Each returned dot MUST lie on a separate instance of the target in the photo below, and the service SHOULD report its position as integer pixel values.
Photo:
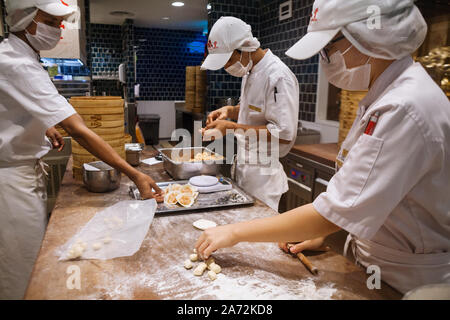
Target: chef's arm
(76, 128)
(297, 225)
(300, 224)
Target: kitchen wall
(263, 16)
(162, 59)
(279, 36)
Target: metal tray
(222, 199)
(182, 170)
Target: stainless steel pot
(104, 180)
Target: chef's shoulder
(278, 72)
(418, 97)
(15, 67)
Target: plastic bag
(117, 231)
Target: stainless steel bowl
(104, 180)
(176, 163)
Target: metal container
(133, 153)
(231, 198)
(104, 180)
(176, 162)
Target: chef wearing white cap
(391, 192)
(29, 108)
(269, 103)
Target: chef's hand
(56, 138)
(219, 114)
(311, 245)
(145, 184)
(213, 239)
(221, 126)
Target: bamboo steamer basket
(200, 90)
(105, 117)
(190, 88)
(349, 107)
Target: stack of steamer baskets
(190, 88)
(200, 90)
(104, 116)
(195, 94)
(349, 107)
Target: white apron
(265, 184)
(23, 220)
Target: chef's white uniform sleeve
(282, 109)
(38, 95)
(377, 174)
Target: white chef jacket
(29, 104)
(269, 97)
(392, 192)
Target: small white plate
(203, 181)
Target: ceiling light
(178, 4)
(208, 6)
(165, 18)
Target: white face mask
(355, 79)
(46, 37)
(238, 70)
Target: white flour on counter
(178, 283)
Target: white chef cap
(22, 12)
(401, 33)
(227, 35)
(20, 19)
(384, 29)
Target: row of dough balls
(210, 264)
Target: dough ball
(200, 269)
(194, 251)
(193, 257)
(188, 264)
(107, 240)
(97, 246)
(212, 275)
(76, 250)
(203, 224)
(215, 268)
(210, 261)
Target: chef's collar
(21, 46)
(263, 63)
(385, 79)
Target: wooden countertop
(325, 153)
(249, 271)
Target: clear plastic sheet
(117, 231)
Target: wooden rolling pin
(304, 260)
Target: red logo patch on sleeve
(314, 17)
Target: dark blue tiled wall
(128, 57)
(220, 84)
(106, 48)
(279, 36)
(162, 59)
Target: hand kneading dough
(188, 264)
(193, 257)
(203, 224)
(212, 275)
(200, 269)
